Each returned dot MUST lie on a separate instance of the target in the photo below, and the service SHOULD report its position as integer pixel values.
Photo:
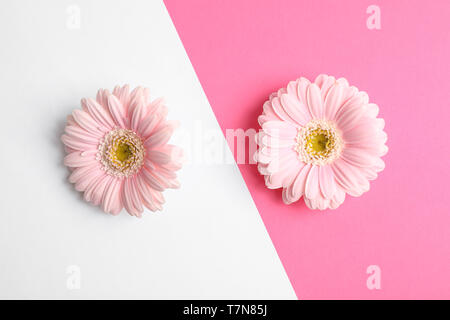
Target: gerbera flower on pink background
(118, 152)
(320, 141)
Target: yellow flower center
(121, 152)
(319, 142)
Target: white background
(209, 242)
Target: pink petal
(297, 188)
(302, 91)
(320, 79)
(156, 105)
(292, 89)
(364, 133)
(282, 162)
(136, 96)
(314, 101)
(135, 196)
(372, 110)
(295, 109)
(111, 198)
(312, 183)
(158, 157)
(317, 203)
(338, 198)
(272, 142)
(349, 178)
(269, 112)
(88, 193)
(77, 144)
(159, 137)
(169, 174)
(358, 157)
(158, 196)
(145, 194)
(151, 180)
(130, 202)
(334, 100)
(379, 165)
(123, 95)
(98, 112)
(77, 132)
(80, 159)
(350, 114)
(71, 121)
(85, 121)
(326, 181)
(102, 98)
(138, 114)
(88, 177)
(286, 174)
(280, 129)
(81, 172)
(279, 110)
(99, 189)
(117, 111)
(148, 125)
(328, 82)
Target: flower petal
(295, 109)
(312, 183)
(79, 133)
(151, 180)
(326, 181)
(333, 100)
(145, 194)
(89, 176)
(328, 82)
(138, 114)
(302, 91)
(350, 114)
(160, 137)
(77, 144)
(136, 96)
(98, 189)
(117, 111)
(358, 157)
(280, 111)
(280, 129)
(85, 121)
(297, 188)
(80, 159)
(338, 198)
(314, 101)
(350, 178)
(81, 172)
(98, 112)
(112, 197)
(158, 157)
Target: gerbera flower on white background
(320, 141)
(118, 152)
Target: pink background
(244, 50)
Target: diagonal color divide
(244, 50)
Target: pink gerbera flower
(118, 152)
(320, 140)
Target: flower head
(320, 141)
(118, 152)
